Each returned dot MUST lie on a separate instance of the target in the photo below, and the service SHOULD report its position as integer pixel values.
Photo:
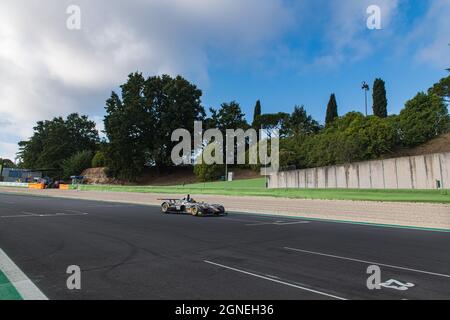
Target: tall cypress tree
(332, 110)
(256, 113)
(379, 99)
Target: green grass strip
(256, 187)
(7, 290)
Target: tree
(379, 99)
(77, 163)
(352, 137)
(301, 123)
(332, 110)
(129, 123)
(208, 172)
(99, 160)
(274, 121)
(256, 114)
(139, 124)
(177, 105)
(7, 163)
(442, 89)
(423, 118)
(229, 116)
(58, 139)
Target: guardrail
(36, 186)
(14, 184)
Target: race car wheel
(221, 211)
(195, 211)
(165, 207)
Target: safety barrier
(36, 186)
(14, 184)
(430, 171)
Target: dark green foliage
(379, 99)
(332, 110)
(274, 121)
(177, 104)
(128, 125)
(229, 116)
(256, 114)
(350, 138)
(98, 160)
(76, 164)
(140, 123)
(355, 137)
(205, 172)
(7, 163)
(423, 118)
(442, 89)
(56, 140)
(301, 123)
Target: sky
(283, 52)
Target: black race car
(190, 206)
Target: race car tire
(195, 211)
(165, 207)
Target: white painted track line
(26, 214)
(26, 288)
(275, 280)
(369, 262)
(277, 223)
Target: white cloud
(8, 150)
(346, 34)
(432, 36)
(47, 70)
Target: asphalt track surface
(130, 251)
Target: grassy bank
(256, 187)
(7, 290)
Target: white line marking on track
(242, 220)
(288, 223)
(274, 280)
(26, 214)
(26, 288)
(277, 223)
(369, 262)
(111, 205)
(266, 222)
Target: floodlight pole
(226, 162)
(265, 158)
(366, 88)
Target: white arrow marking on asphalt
(397, 285)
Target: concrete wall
(418, 172)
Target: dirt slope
(171, 176)
(437, 145)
